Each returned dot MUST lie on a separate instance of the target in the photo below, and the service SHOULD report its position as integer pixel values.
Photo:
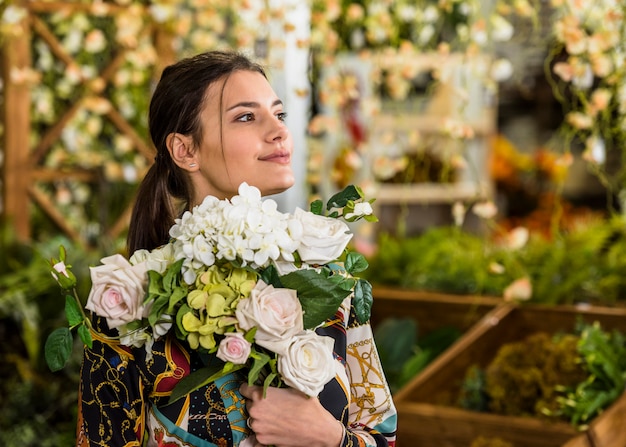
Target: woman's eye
(282, 116)
(246, 117)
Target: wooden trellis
(24, 172)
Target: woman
(216, 122)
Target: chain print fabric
(123, 398)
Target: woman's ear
(181, 150)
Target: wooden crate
(424, 422)
(430, 310)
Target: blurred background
(472, 123)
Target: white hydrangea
(246, 229)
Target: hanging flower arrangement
(409, 48)
(588, 67)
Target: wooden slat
(16, 56)
(92, 7)
(127, 129)
(52, 175)
(55, 47)
(54, 133)
(48, 207)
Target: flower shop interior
(489, 133)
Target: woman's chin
(278, 187)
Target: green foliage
(320, 293)
(403, 354)
(445, 259)
(38, 407)
(572, 377)
(473, 395)
(578, 266)
(604, 356)
(585, 264)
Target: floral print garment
(123, 398)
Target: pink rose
(234, 348)
(276, 313)
(118, 290)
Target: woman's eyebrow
(253, 104)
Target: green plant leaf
(58, 348)
(319, 294)
(260, 359)
(85, 335)
(72, 311)
(317, 207)
(178, 294)
(362, 300)
(198, 379)
(270, 276)
(341, 199)
(355, 263)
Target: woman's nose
(278, 132)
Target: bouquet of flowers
(238, 279)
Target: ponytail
(155, 206)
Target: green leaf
(58, 348)
(72, 311)
(177, 295)
(171, 278)
(320, 294)
(157, 309)
(155, 286)
(182, 310)
(85, 335)
(198, 379)
(355, 263)
(268, 382)
(260, 359)
(271, 277)
(362, 300)
(317, 207)
(341, 199)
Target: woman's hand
(288, 418)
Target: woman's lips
(277, 157)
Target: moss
(524, 377)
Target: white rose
(324, 238)
(360, 209)
(136, 338)
(158, 259)
(308, 364)
(283, 267)
(234, 348)
(276, 313)
(117, 290)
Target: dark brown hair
(175, 108)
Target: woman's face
(244, 139)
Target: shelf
(431, 193)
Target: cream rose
(117, 290)
(276, 313)
(158, 259)
(308, 364)
(323, 240)
(234, 348)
